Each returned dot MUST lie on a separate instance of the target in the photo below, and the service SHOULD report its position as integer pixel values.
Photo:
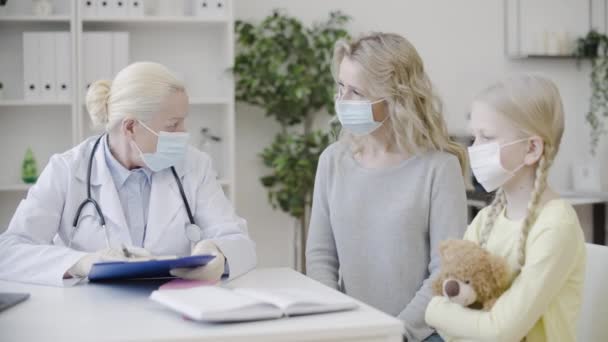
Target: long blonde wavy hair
(533, 104)
(394, 71)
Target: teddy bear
(470, 275)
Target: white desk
(93, 312)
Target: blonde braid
(540, 184)
(498, 204)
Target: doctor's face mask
(163, 142)
(170, 149)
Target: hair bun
(97, 102)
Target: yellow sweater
(544, 300)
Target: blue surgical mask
(357, 116)
(170, 149)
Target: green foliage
(595, 47)
(598, 110)
(293, 159)
(594, 44)
(284, 67)
(29, 170)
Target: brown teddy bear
(470, 275)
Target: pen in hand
(126, 252)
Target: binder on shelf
(202, 8)
(104, 8)
(63, 65)
(135, 8)
(97, 52)
(219, 8)
(88, 55)
(118, 8)
(120, 51)
(89, 8)
(31, 66)
(47, 66)
(103, 51)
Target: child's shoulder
(559, 217)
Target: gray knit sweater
(374, 233)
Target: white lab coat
(34, 248)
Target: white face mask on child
(486, 165)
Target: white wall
(461, 43)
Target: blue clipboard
(124, 270)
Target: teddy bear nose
(452, 288)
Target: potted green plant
(593, 46)
(598, 104)
(284, 67)
(29, 170)
(587, 47)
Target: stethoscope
(193, 232)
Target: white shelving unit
(45, 126)
(200, 50)
(157, 20)
(36, 19)
(39, 103)
(14, 187)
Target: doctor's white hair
(136, 92)
(533, 104)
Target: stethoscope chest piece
(193, 233)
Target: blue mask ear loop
(383, 120)
(148, 128)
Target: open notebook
(216, 304)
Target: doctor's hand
(211, 272)
(83, 266)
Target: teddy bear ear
(448, 249)
(444, 249)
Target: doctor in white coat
(155, 194)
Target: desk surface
(124, 312)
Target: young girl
(518, 125)
(391, 188)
